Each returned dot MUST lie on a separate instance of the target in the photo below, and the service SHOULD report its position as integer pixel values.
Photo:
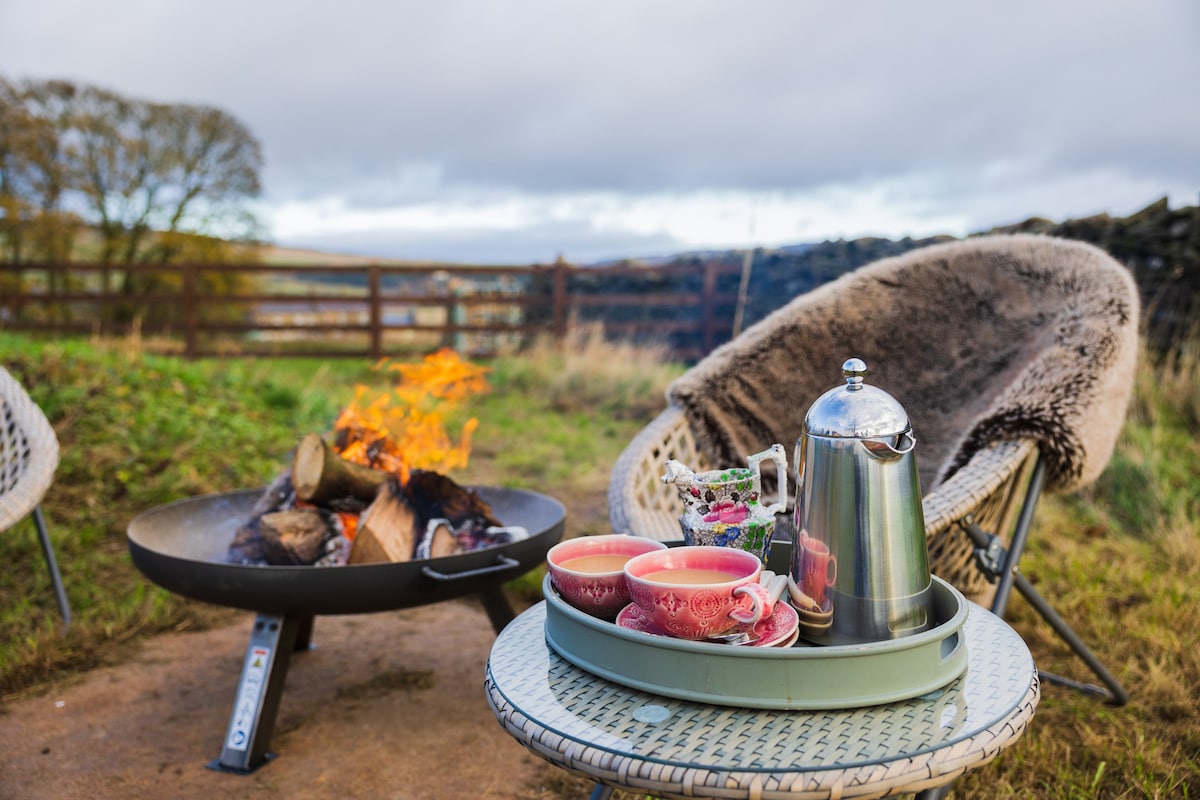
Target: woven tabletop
(675, 748)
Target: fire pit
(368, 522)
(182, 547)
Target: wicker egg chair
(1013, 356)
(28, 459)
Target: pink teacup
(693, 592)
(589, 571)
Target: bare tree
(144, 175)
(115, 163)
(153, 182)
(212, 166)
(36, 225)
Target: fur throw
(986, 339)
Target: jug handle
(775, 453)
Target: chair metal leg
(1114, 694)
(60, 592)
(997, 563)
(1011, 562)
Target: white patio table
(630, 739)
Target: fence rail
(371, 310)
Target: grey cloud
(540, 244)
(404, 102)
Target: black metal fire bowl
(182, 546)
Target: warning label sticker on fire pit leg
(249, 694)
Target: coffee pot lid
(856, 410)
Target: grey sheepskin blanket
(986, 339)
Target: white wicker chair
(28, 460)
(977, 518)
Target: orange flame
(405, 429)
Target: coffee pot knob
(854, 370)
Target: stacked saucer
(781, 629)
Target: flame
(405, 428)
(349, 524)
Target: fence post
(560, 301)
(190, 321)
(709, 305)
(375, 312)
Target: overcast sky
(515, 132)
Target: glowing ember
(405, 428)
(349, 524)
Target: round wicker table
(629, 739)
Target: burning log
(439, 497)
(247, 544)
(369, 490)
(428, 517)
(321, 475)
(387, 530)
(439, 541)
(294, 536)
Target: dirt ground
(387, 705)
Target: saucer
(778, 630)
(791, 640)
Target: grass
(137, 430)
(1121, 560)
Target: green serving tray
(803, 676)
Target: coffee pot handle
(776, 453)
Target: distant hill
(296, 256)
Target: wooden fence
(368, 311)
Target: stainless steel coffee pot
(859, 555)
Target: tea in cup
(693, 592)
(589, 571)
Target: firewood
(438, 496)
(246, 547)
(387, 530)
(438, 540)
(444, 542)
(321, 476)
(293, 536)
(278, 494)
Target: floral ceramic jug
(724, 507)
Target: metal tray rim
(801, 650)
(811, 677)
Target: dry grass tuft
(586, 371)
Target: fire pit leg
(304, 629)
(499, 610)
(272, 642)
